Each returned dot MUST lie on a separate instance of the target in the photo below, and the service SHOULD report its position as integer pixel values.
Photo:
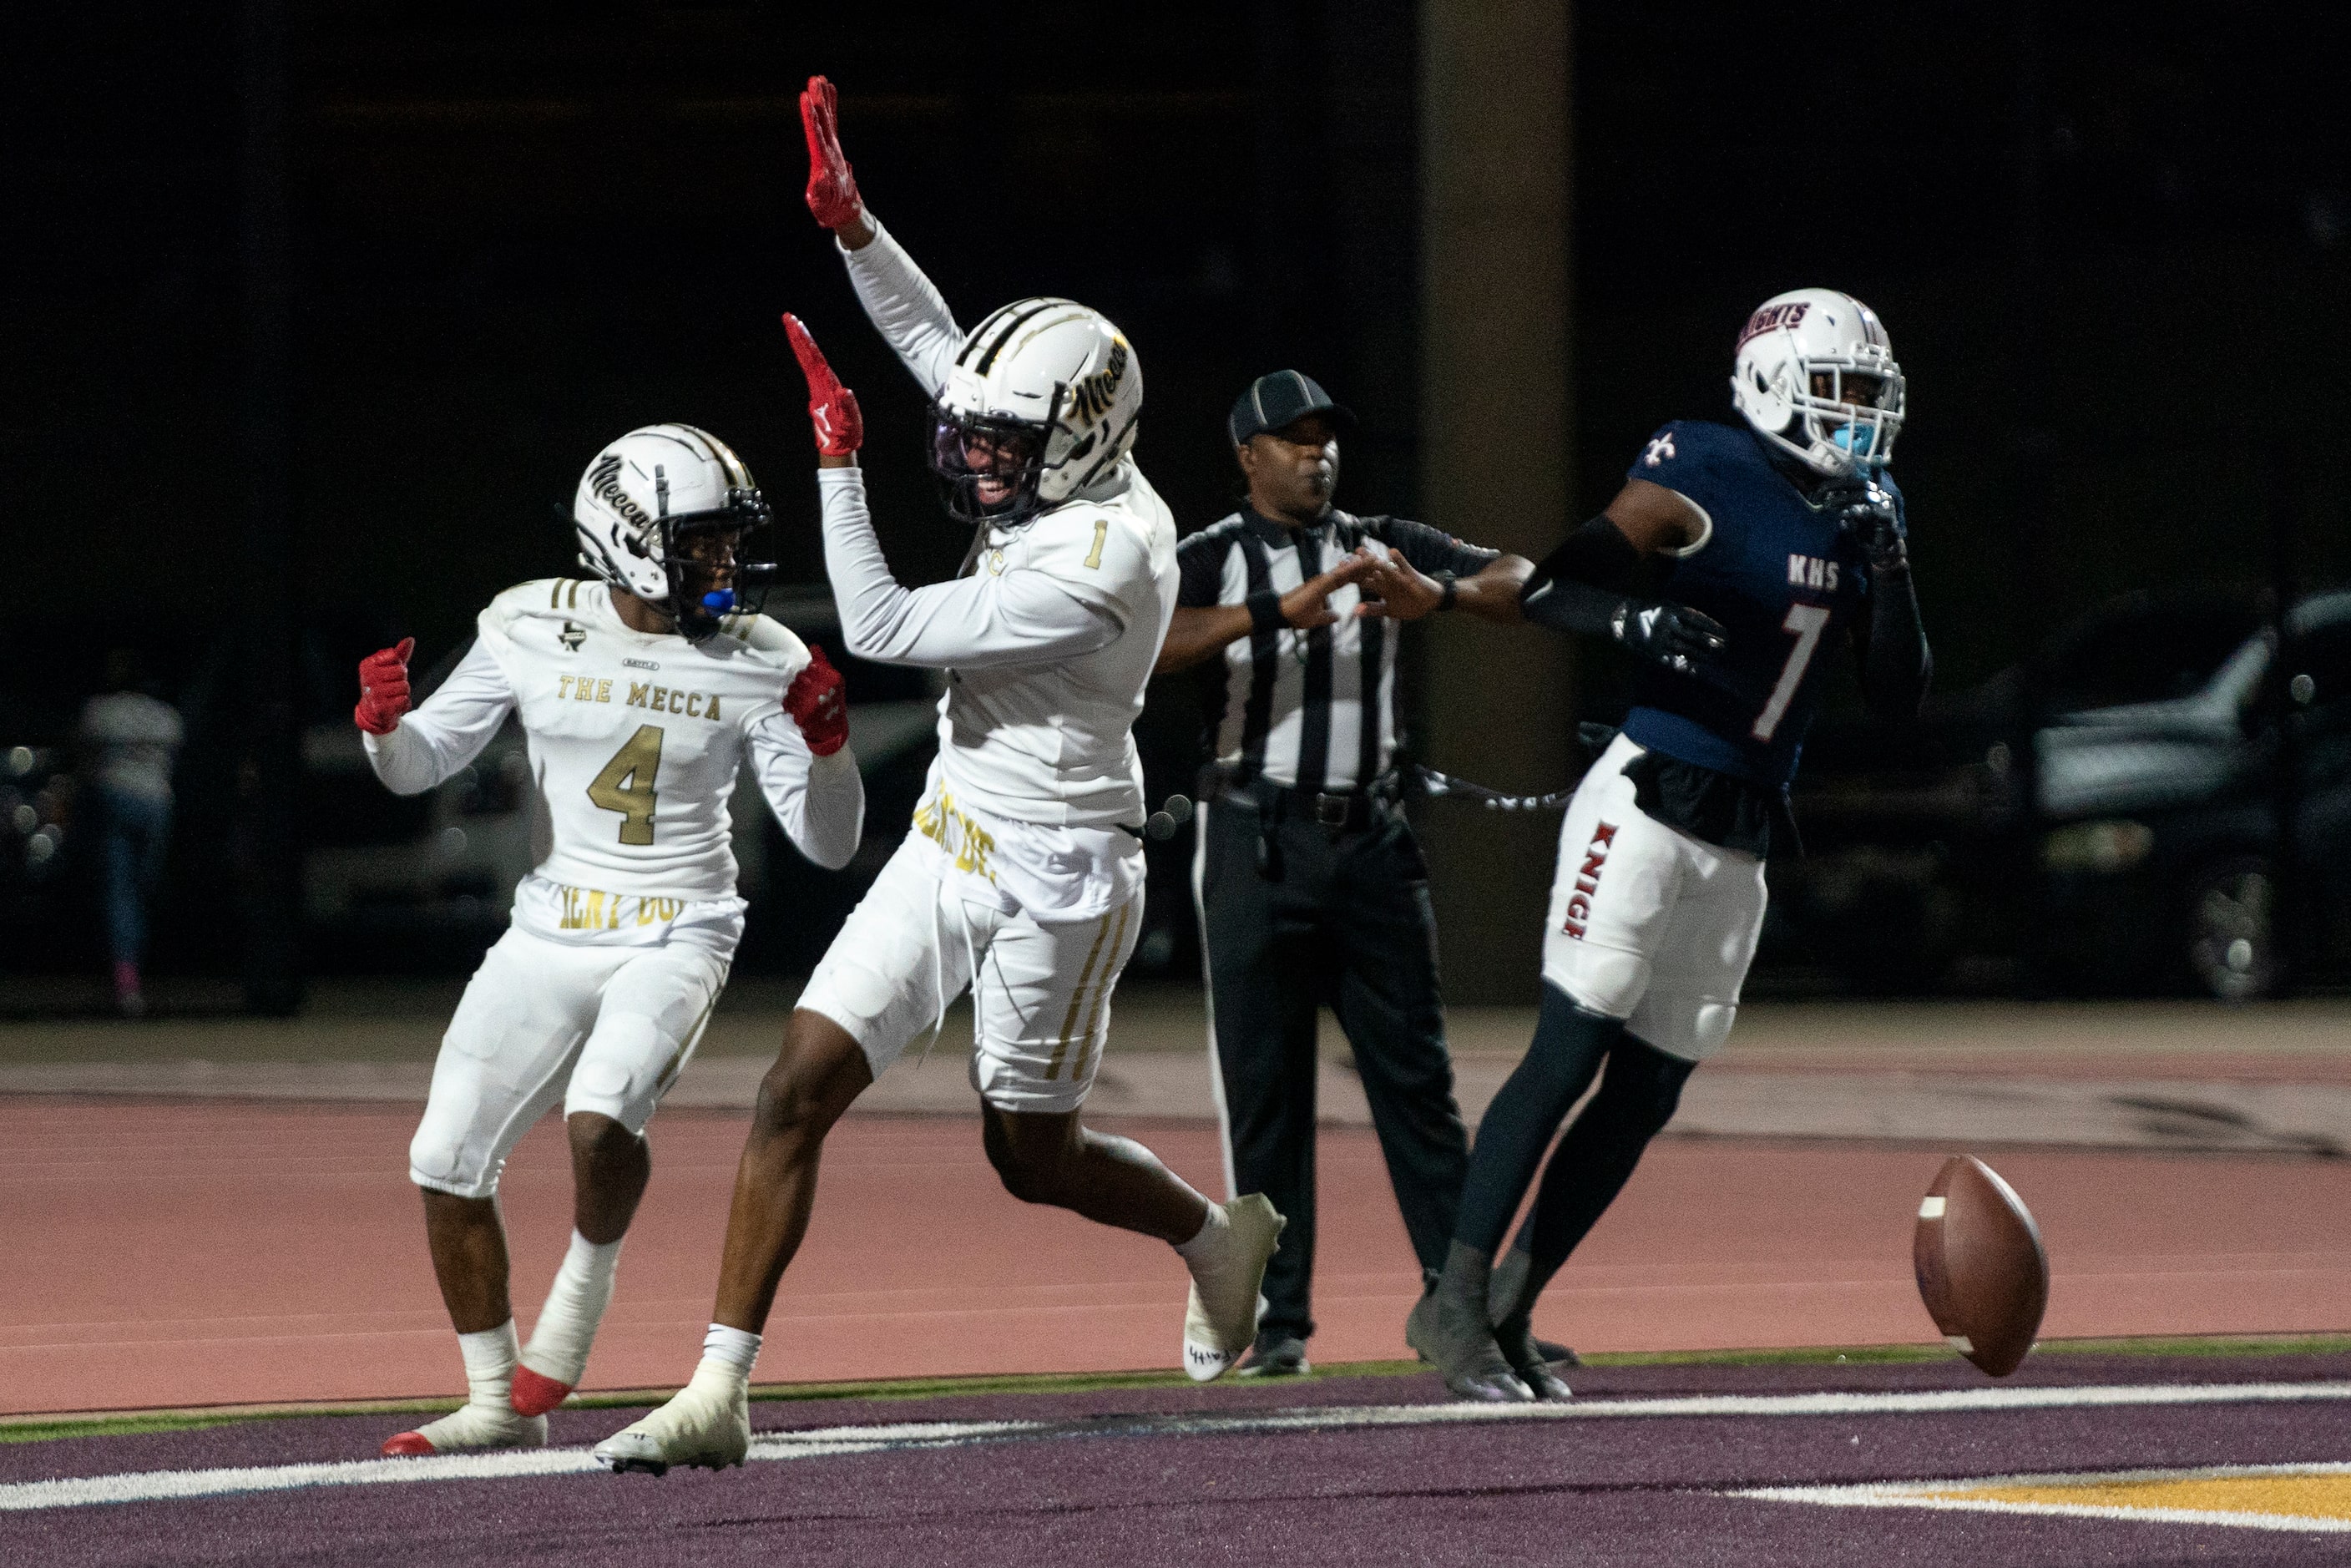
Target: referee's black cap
(1283, 398)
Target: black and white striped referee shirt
(1308, 710)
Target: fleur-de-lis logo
(1660, 449)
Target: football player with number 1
(1022, 877)
(1731, 558)
(643, 691)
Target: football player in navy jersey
(1730, 563)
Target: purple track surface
(1645, 1491)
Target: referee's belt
(1342, 812)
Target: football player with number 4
(1730, 560)
(642, 691)
(1022, 876)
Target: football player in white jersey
(1023, 875)
(640, 693)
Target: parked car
(2189, 823)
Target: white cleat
(469, 1427)
(707, 1424)
(1221, 1317)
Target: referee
(1310, 885)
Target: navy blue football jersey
(1782, 579)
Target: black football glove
(1869, 515)
(1673, 635)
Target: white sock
(1212, 1233)
(490, 1356)
(729, 1350)
(559, 1341)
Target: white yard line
(154, 1485)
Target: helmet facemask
(707, 558)
(1845, 407)
(989, 466)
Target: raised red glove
(383, 689)
(832, 186)
(817, 700)
(832, 408)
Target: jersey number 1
(626, 785)
(1806, 623)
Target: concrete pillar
(1495, 430)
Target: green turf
(41, 1428)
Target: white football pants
(604, 1029)
(1648, 923)
(1040, 992)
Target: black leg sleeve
(1596, 1157)
(1568, 1047)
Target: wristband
(1265, 612)
(1452, 589)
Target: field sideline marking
(1924, 1494)
(158, 1485)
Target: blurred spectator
(129, 737)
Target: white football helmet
(1815, 376)
(642, 493)
(1041, 401)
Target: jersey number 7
(626, 785)
(1806, 623)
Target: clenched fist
(817, 700)
(383, 689)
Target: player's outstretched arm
(411, 750)
(1589, 584)
(905, 305)
(806, 769)
(1198, 633)
(1017, 617)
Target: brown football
(1982, 1271)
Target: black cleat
(1276, 1354)
(1525, 1354)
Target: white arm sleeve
(820, 800)
(447, 731)
(976, 622)
(904, 305)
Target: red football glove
(831, 187)
(817, 700)
(832, 408)
(383, 689)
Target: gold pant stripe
(1102, 990)
(1077, 995)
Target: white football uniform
(1646, 922)
(1023, 875)
(622, 933)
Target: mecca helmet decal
(1815, 375)
(667, 513)
(1041, 403)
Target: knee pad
(443, 1158)
(1610, 982)
(627, 1066)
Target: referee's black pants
(1346, 921)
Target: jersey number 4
(626, 785)
(1806, 623)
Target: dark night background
(2112, 245)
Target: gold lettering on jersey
(593, 909)
(945, 824)
(583, 688)
(664, 699)
(563, 685)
